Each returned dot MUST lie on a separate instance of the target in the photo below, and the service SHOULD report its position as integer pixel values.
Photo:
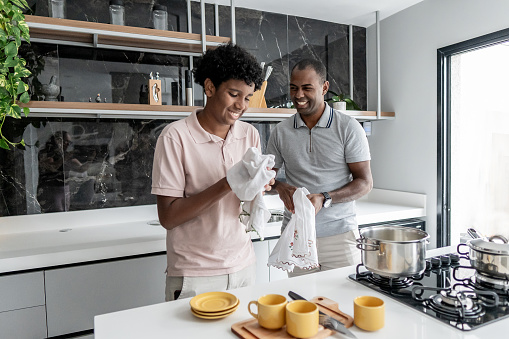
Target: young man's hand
(286, 194)
(268, 187)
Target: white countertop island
(174, 319)
(47, 240)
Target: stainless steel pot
(488, 257)
(393, 251)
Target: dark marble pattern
(265, 36)
(75, 164)
(118, 76)
(360, 72)
(324, 41)
(79, 164)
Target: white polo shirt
(318, 159)
(188, 160)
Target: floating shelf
(137, 111)
(99, 35)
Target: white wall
(404, 151)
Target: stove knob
(428, 265)
(446, 260)
(455, 258)
(435, 262)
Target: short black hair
(228, 61)
(318, 67)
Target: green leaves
(350, 104)
(12, 68)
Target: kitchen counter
(174, 319)
(55, 239)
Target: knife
(326, 320)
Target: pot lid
(484, 245)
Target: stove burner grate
(461, 306)
(386, 283)
(484, 283)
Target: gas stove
(449, 290)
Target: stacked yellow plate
(214, 305)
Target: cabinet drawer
(26, 323)
(74, 295)
(21, 291)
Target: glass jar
(56, 8)
(117, 12)
(160, 17)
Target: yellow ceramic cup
(369, 313)
(302, 319)
(271, 311)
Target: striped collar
(325, 120)
(200, 135)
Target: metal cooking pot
(488, 257)
(393, 251)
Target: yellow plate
(213, 316)
(213, 302)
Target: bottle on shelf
(117, 12)
(160, 17)
(56, 8)
(189, 88)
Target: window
(473, 174)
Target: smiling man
(208, 248)
(327, 152)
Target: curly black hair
(228, 61)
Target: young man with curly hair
(208, 248)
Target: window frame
(444, 122)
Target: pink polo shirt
(187, 160)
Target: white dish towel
(297, 244)
(247, 179)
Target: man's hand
(286, 194)
(317, 201)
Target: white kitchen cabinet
(25, 323)
(261, 249)
(275, 273)
(22, 312)
(74, 295)
(19, 291)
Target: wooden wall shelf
(111, 110)
(94, 34)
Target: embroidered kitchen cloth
(247, 179)
(297, 244)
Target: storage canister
(117, 12)
(160, 17)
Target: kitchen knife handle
(295, 296)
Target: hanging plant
(13, 89)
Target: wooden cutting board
(249, 329)
(331, 308)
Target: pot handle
(463, 253)
(498, 236)
(364, 247)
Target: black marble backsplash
(75, 164)
(80, 164)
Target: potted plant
(342, 102)
(13, 89)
